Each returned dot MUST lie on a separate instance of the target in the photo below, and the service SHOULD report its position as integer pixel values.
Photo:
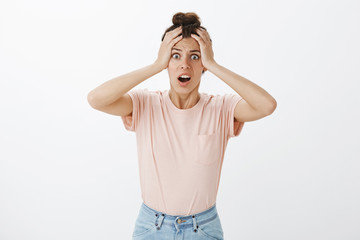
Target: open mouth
(184, 79)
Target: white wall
(69, 172)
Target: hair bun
(184, 19)
(189, 21)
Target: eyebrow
(181, 50)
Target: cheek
(172, 73)
(199, 67)
(171, 67)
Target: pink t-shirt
(181, 151)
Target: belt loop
(160, 219)
(176, 226)
(195, 223)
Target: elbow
(268, 108)
(271, 108)
(91, 99)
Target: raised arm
(111, 97)
(258, 102)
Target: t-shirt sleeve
(138, 97)
(232, 127)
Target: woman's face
(185, 60)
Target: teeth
(185, 76)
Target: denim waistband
(182, 221)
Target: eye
(176, 54)
(196, 57)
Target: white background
(68, 171)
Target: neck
(184, 100)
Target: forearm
(113, 89)
(253, 94)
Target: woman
(181, 134)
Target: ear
(205, 69)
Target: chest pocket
(208, 148)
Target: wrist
(156, 65)
(209, 66)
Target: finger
(175, 40)
(173, 33)
(197, 38)
(205, 36)
(178, 29)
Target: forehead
(187, 44)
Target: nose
(184, 63)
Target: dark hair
(189, 22)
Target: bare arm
(111, 97)
(257, 103)
(111, 90)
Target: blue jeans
(154, 225)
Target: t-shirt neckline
(173, 107)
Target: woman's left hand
(207, 54)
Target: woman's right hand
(170, 39)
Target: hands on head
(207, 54)
(172, 37)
